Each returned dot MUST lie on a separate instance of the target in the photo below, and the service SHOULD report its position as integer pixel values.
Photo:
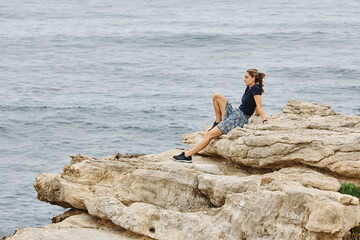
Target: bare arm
(259, 108)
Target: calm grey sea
(100, 77)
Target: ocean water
(100, 77)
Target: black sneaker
(181, 158)
(214, 125)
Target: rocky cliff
(274, 181)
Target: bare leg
(214, 133)
(219, 102)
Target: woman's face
(248, 79)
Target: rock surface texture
(274, 181)
(80, 227)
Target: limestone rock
(165, 184)
(203, 201)
(65, 215)
(299, 107)
(308, 134)
(274, 181)
(279, 211)
(79, 227)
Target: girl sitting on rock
(228, 118)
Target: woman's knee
(217, 96)
(209, 136)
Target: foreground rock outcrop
(79, 226)
(275, 181)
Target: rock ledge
(275, 181)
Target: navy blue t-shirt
(248, 104)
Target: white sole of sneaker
(183, 161)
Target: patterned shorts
(233, 118)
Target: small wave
(102, 127)
(28, 108)
(47, 88)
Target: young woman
(228, 118)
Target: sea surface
(100, 77)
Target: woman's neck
(251, 85)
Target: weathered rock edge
(80, 227)
(292, 203)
